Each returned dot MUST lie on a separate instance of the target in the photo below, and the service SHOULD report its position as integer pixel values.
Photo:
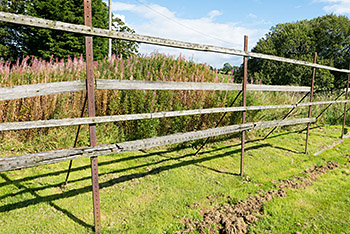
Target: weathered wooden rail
(8, 126)
(36, 159)
(171, 85)
(26, 91)
(34, 90)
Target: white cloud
(252, 16)
(122, 17)
(214, 13)
(336, 6)
(159, 21)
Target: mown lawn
(151, 191)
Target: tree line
(19, 41)
(327, 35)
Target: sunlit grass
(151, 191)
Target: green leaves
(17, 41)
(328, 35)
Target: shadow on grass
(50, 202)
(56, 173)
(159, 153)
(57, 185)
(213, 140)
(73, 192)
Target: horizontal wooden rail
(172, 85)
(24, 91)
(115, 118)
(322, 103)
(33, 90)
(85, 30)
(36, 159)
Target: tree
(11, 38)
(120, 47)
(226, 68)
(328, 35)
(45, 43)
(61, 44)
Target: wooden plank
(90, 31)
(163, 85)
(24, 91)
(323, 103)
(277, 88)
(333, 145)
(36, 159)
(171, 85)
(115, 118)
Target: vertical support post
(244, 100)
(346, 98)
(311, 96)
(91, 110)
(110, 28)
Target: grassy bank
(152, 191)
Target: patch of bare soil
(236, 218)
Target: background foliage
(328, 35)
(19, 42)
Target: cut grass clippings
(153, 191)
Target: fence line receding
(90, 85)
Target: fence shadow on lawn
(74, 192)
(123, 178)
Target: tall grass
(109, 102)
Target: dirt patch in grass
(236, 218)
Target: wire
(184, 25)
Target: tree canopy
(328, 35)
(11, 37)
(226, 68)
(20, 41)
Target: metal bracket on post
(244, 100)
(91, 109)
(311, 96)
(346, 98)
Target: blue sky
(220, 23)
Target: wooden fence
(25, 91)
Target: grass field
(152, 191)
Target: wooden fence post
(311, 96)
(90, 86)
(244, 100)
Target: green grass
(321, 208)
(150, 191)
